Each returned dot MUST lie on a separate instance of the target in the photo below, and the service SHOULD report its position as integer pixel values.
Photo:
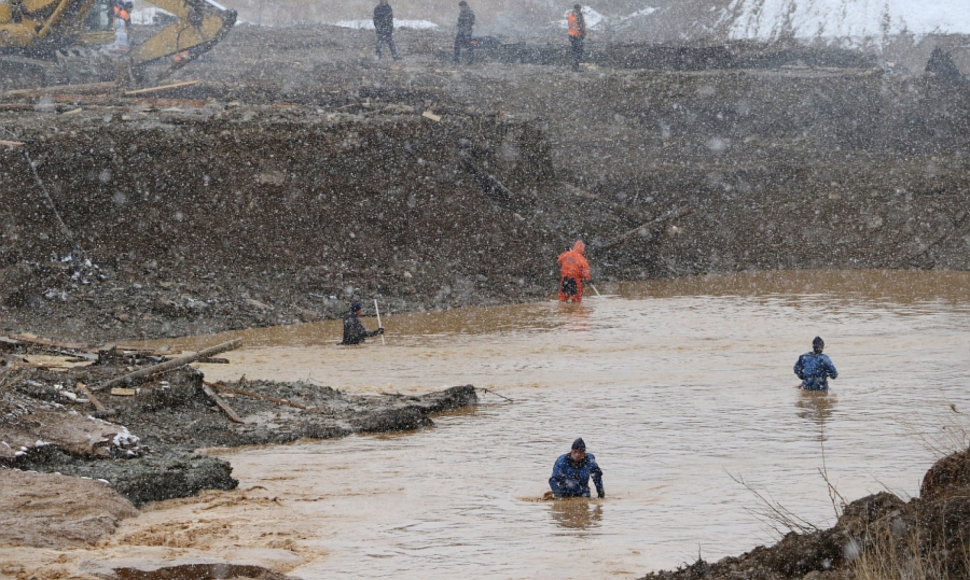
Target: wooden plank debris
(7, 143)
(162, 103)
(238, 391)
(156, 89)
(54, 89)
(221, 404)
(94, 400)
(430, 115)
(34, 344)
(171, 364)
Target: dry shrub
(930, 538)
(898, 551)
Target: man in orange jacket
(577, 33)
(573, 270)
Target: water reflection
(817, 407)
(575, 316)
(576, 513)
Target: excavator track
(84, 65)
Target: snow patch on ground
(369, 24)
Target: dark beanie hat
(579, 444)
(355, 306)
(818, 344)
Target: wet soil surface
(143, 443)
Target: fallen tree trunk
(630, 213)
(170, 364)
(643, 228)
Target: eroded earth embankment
(277, 189)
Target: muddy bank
(143, 437)
(879, 536)
(299, 174)
(56, 511)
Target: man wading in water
(815, 368)
(571, 473)
(574, 269)
(354, 331)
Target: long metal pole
(379, 325)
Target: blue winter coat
(571, 479)
(814, 370)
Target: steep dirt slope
(302, 174)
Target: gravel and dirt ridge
(299, 174)
(291, 173)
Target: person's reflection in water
(816, 406)
(577, 316)
(576, 513)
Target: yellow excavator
(71, 39)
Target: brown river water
(682, 389)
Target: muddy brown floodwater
(680, 388)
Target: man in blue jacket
(815, 368)
(571, 473)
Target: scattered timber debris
(168, 365)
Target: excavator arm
(56, 30)
(199, 26)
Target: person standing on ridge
(577, 33)
(122, 16)
(463, 37)
(573, 270)
(571, 473)
(815, 368)
(354, 331)
(384, 25)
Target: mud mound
(55, 511)
(144, 446)
(879, 536)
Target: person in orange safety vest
(577, 33)
(573, 270)
(122, 14)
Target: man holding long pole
(354, 331)
(381, 326)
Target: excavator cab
(99, 17)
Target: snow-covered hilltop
(847, 22)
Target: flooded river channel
(682, 389)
